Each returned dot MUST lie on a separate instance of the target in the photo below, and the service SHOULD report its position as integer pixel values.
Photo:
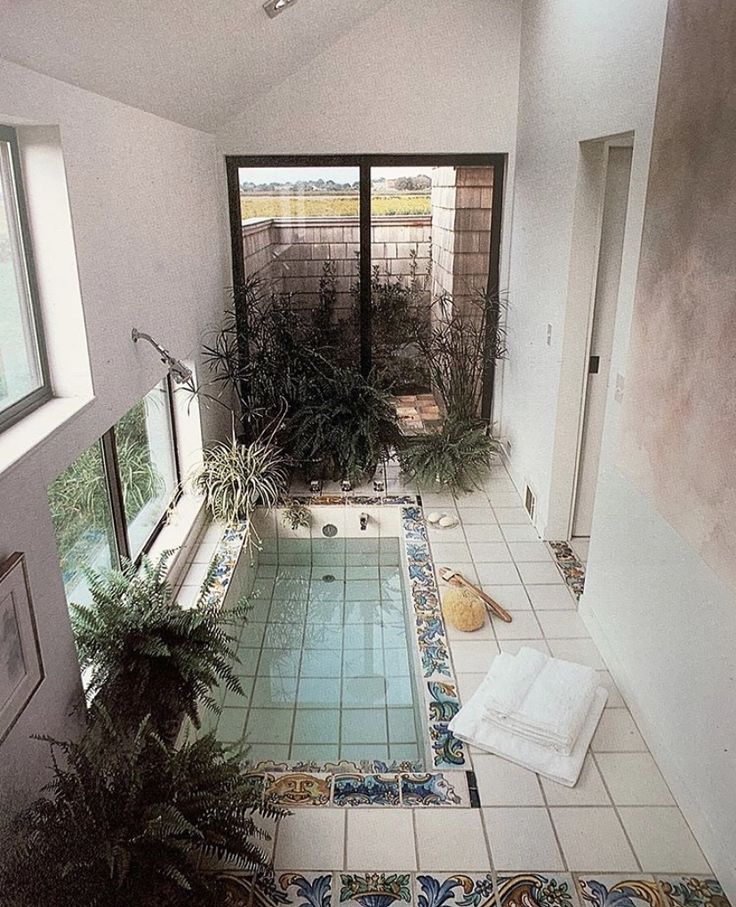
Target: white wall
(151, 252)
(589, 69)
(660, 601)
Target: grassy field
(329, 205)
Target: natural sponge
(463, 610)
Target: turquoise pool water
(326, 662)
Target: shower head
(178, 371)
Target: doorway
(605, 297)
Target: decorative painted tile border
(224, 561)
(570, 566)
(440, 690)
(292, 789)
(478, 889)
(363, 500)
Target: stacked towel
(537, 711)
(543, 699)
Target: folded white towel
(471, 726)
(554, 707)
(513, 677)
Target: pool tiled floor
(324, 657)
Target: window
(111, 502)
(23, 372)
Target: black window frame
(364, 162)
(38, 396)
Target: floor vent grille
(530, 502)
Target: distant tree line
(420, 183)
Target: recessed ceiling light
(274, 7)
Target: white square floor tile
(550, 597)
(497, 574)
(530, 551)
(381, 838)
(539, 572)
(478, 516)
(475, 532)
(501, 783)
(490, 552)
(512, 516)
(311, 839)
(615, 699)
(444, 535)
(472, 656)
(521, 837)
(523, 625)
(512, 646)
(512, 598)
(583, 651)
(634, 779)
(520, 533)
(589, 790)
(562, 625)
(451, 551)
(467, 684)
(617, 733)
(593, 840)
(662, 840)
(501, 499)
(451, 840)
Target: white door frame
(578, 329)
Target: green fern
(146, 654)
(458, 457)
(126, 820)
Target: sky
(338, 174)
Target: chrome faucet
(364, 521)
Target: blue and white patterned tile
(536, 889)
(604, 890)
(374, 889)
(366, 790)
(441, 789)
(464, 889)
(303, 889)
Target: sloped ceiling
(197, 62)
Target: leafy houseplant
(235, 478)
(296, 515)
(127, 820)
(346, 420)
(457, 457)
(146, 654)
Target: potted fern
(345, 420)
(127, 820)
(456, 458)
(146, 654)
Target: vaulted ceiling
(197, 62)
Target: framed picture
(21, 670)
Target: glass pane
(80, 509)
(20, 372)
(301, 241)
(430, 250)
(146, 461)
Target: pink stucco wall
(678, 438)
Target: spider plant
(346, 420)
(126, 820)
(457, 458)
(145, 654)
(296, 515)
(235, 478)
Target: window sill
(20, 439)
(180, 533)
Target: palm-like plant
(126, 820)
(146, 654)
(457, 458)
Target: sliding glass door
(386, 249)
